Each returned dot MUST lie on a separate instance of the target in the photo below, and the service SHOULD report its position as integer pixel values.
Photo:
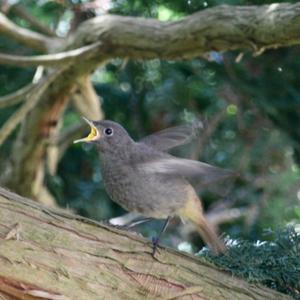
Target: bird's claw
(155, 243)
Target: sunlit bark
(55, 255)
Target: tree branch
(221, 28)
(58, 255)
(27, 37)
(85, 100)
(50, 60)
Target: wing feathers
(186, 168)
(172, 137)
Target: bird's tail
(209, 235)
(194, 213)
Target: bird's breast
(152, 195)
(117, 180)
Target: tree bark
(221, 28)
(51, 254)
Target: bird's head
(107, 135)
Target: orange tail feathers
(210, 236)
(194, 213)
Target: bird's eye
(108, 131)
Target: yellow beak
(93, 135)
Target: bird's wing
(204, 173)
(148, 160)
(172, 137)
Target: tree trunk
(51, 254)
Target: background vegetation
(250, 107)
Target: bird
(142, 177)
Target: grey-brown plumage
(142, 178)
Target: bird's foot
(155, 244)
(155, 241)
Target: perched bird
(142, 177)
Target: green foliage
(275, 264)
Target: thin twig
(50, 60)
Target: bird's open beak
(93, 135)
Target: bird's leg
(138, 222)
(155, 241)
